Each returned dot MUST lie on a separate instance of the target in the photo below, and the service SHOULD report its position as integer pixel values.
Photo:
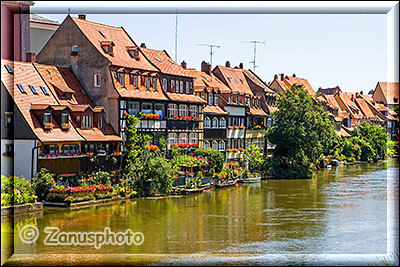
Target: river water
(343, 210)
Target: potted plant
(48, 125)
(65, 126)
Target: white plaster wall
(6, 162)
(235, 111)
(23, 158)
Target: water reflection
(341, 210)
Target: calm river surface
(342, 210)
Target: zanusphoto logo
(55, 237)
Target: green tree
(216, 158)
(41, 183)
(252, 158)
(301, 132)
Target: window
(133, 108)
(64, 117)
(172, 138)
(159, 109)
(21, 88)
(46, 117)
(97, 79)
(230, 97)
(237, 98)
(177, 86)
(165, 84)
(135, 82)
(183, 138)
(210, 98)
(147, 108)
(8, 68)
(9, 119)
(9, 149)
(122, 79)
(183, 110)
(75, 49)
(44, 90)
(222, 123)
(170, 61)
(33, 89)
(215, 99)
(155, 84)
(243, 99)
(172, 110)
(102, 34)
(157, 59)
(107, 48)
(202, 95)
(207, 122)
(194, 111)
(181, 87)
(172, 86)
(215, 145)
(206, 144)
(50, 149)
(215, 122)
(193, 138)
(147, 83)
(187, 88)
(87, 122)
(234, 143)
(221, 146)
(100, 122)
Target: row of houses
(66, 108)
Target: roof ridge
(96, 23)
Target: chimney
(143, 45)
(82, 16)
(241, 65)
(275, 76)
(183, 64)
(205, 67)
(31, 57)
(282, 76)
(361, 92)
(227, 64)
(294, 75)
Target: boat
(226, 184)
(250, 180)
(204, 186)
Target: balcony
(235, 133)
(61, 156)
(183, 124)
(152, 124)
(255, 133)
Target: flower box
(8, 154)
(150, 116)
(65, 126)
(48, 126)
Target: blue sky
(348, 50)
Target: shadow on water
(340, 210)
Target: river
(343, 210)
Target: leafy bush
(216, 158)
(101, 177)
(42, 182)
(252, 158)
(16, 191)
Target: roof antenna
(211, 50)
(254, 58)
(69, 10)
(176, 36)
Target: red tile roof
(288, 81)
(235, 79)
(25, 74)
(257, 112)
(164, 62)
(209, 82)
(254, 78)
(390, 91)
(59, 78)
(214, 110)
(185, 98)
(119, 37)
(141, 92)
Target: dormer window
(135, 82)
(215, 99)
(46, 117)
(230, 97)
(237, 98)
(107, 47)
(202, 95)
(155, 84)
(87, 122)
(133, 52)
(66, 95)
(210, 98)
(147, 83)
(243, 100)
(188, 88)
(100, 122)
(64, 117)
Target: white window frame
(183, 138)
(100, 122)
(181, 87)
(214, 145)
(122, 79)
(172, 138)
(147, 83)
(63, 120)
(202, 95)
(230, 97)
(87, 122)
(183, 110)
(74, 49)
(215, 99)
(45, 116)
(136, 81)
(215, 122)
(193, 138)
(172, 110)
(222, 123)
(210, 98)
(194, 111)
(97, 80)
(207, 144)
(207, 122)
(155, 84)
(187, 88)
(177, 86)
(173, 86)
(165, 85)
(221, 145)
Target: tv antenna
(176, 37)
(211, 50)
(255, 45)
